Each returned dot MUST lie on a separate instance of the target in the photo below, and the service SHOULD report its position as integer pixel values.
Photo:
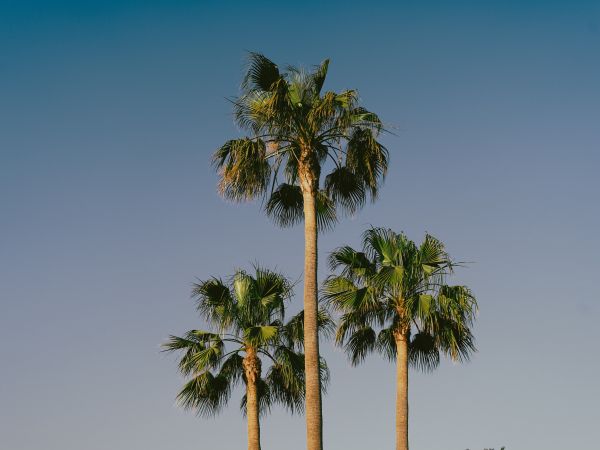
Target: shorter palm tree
(251, 343)
(394, 300)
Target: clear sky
(109, 112)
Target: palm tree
(297, 132)
(248, 312)
(394, 300)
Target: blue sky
(109, 113)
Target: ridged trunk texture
(401, 391)
(252, 373)
(314, 419)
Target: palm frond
(286, 379)
(205, 393)
(367, 159)
(261, 74)
(360, 343)
(293, 330)
(319, 76)
(386, 343)
(244, 169)
(215, 302)
(362, 117)
(423, 352)
(345, 189)
(261, 336)
(326, 214)
(285, 205)
(352, 263)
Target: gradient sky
(109, 112)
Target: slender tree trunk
(401, 391)
(314, 419)
(252, 371)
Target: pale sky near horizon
(109, 111)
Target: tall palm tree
(296, 133)
(394, 300)
(248, 313)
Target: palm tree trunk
(401, 391)
(314, 419)
(252, 371)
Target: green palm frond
(261, 74)
(205, 393)
(272, 290)
(344, 295)
(285, 207)
(326, 215)
(345, 189)
(245, 171)
(294, 328)
(360, 343)
(386, 343)
(319, 76)
(200, 354)
(364, 118)
(286, 379)
(367, 159)
(353, 264)
(433, 254)
(232, 368)
(260, 336)
(423, 352)
(215, 302)
(457, 303)
(324, 374)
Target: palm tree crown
(247, 313)
(395, 287)
(294, 128)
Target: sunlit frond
(364, 118)
(319, 76)
(261, 74)
(244, 169)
